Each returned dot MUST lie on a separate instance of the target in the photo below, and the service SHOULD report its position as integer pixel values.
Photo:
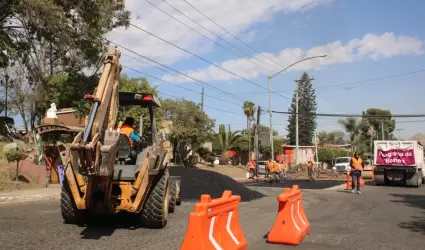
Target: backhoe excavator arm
(93, 152)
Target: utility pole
(202, 100)
(270, 126)
(382, 131)
(296, 122)
(316, 143)
(372, 133)
(256, 136)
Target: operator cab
(129, 158)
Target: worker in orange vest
(310, 169)
(275, 171)
(268, 167)
(357, 165)
(128, 129)
(251, 165)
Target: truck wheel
(70, 213)
(154, 213)
(419, 180)
(173, 193)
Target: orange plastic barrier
(215, 225)
(348, 181)
(291, 225)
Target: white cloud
(236, 16)
(371, 46)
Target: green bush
(15, 155)
(206, 155)
(327, 154)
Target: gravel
(195, 182)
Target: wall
(305, 154)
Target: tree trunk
(249, 138)
(17, 171)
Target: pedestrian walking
(310, 169)
(357, 165)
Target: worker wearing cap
(128, 129)
(357, 165)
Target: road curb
(248, 180)
(27, 198)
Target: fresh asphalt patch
(303, 184)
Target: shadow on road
(304, 184)
(105, 226)
(417, 224)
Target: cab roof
(138, 99)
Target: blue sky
(363, 40)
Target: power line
(352, 115)
(272, 70)
(231, 34)
(167, 67)
(191, 90)
(205, 60)
(230, 112)
(344, 84)
(206, 85)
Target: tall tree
(334, 137)
(249, 110)
(52, 37)
(382, 121)
(307, 106)
(191, 126)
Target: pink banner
(395, 157)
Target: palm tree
(351, 126)
(249, 110)
(227, 139)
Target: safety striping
(229, 219)
(293, 219)
(299, 215)
(211, 237)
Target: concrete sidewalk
(31, 194)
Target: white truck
(399, 161)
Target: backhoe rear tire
(70, 213)
(173, 193)
(154, 213)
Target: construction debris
(195, 182)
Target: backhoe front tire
(70, 213)
(173, 193)
(154, 213)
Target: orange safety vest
(268, 165)
(127, 130)
(310, 165)
(251, 165)
(274, 167)
(357, 163)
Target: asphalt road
(380, 218)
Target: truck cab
(342, 164)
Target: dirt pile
(195, 182)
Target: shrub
(206, 155)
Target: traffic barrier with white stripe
(291, 224)
(215, 225)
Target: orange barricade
(291, 225)
(215, 225)
(348, 181)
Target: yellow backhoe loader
(105, 173)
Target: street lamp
(270, 97)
